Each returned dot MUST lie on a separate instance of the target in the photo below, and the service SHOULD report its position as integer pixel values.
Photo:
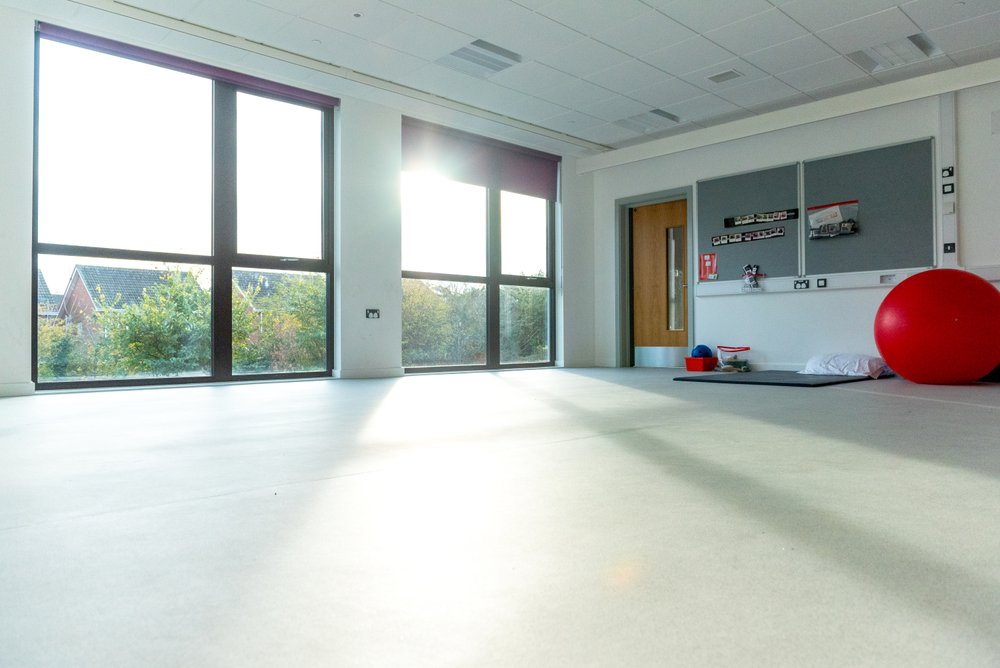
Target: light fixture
(650, 121)
(723, 77)
(480, 59)
(906, 51)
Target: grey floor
(530, 518)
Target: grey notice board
(768, 190)
(894, 187)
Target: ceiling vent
(906, 51)
(653, 120)
(723, 77)
(480, 59)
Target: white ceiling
(588, 66)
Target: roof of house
(47, 302)
(267, 280)
(121, 286)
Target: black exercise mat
(785, 378)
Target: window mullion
(223, 227)
(493, 265)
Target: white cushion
(846, 364)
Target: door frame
(624, 349)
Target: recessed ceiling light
(906, 51)
(480, 59)
(723, 77)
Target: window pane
(524, 324)
(279, 178)
(124, 153)
(444, 225)
(109, 319)
(279, 321)
(524, 235)
(444, 323)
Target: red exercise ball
(940, 327)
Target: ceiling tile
(966, 35)
(616, 108)
(701, 108)
(381, 61)
(976, 54)
(798, 52)
(747, 71)
(576, 93)
(531, 78)
(445, 82)
(533, 37)
(759, 92)
(665, 93)
(758, 31)
(312, 40)
(936, 64)
(573, 122)
(885, 26)
(294, 7)
(423, 38)
(182, 43)
(931, 14)
(178, 9)
(584, 57)
(527, 107)
(727, 117)
(628, 76)
(608, 134)
(767, 107)
(822, 75)
(818, 15)
(377, 18)
(591, 16)
(246, 19)
(705, 15)
(471, 16)
(687, 56)
(843, 88)
(644, 34)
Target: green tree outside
(168, 331)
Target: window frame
(223, 256)
(493, 281)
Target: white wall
(16, 108)
(367, 242)
(785, 329)
(575, 287)
(978, 175)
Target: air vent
(651, 121)
(667, 115)
(723, 77)
(906, 51)
(480, 59)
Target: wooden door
(660, 275)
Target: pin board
(758, 215)
(892, 189)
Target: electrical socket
(373, 313)
(802, 284)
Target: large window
(477, 234)
(181, 219)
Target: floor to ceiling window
(181, 219)
(478, 256)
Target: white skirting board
(16, 389)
